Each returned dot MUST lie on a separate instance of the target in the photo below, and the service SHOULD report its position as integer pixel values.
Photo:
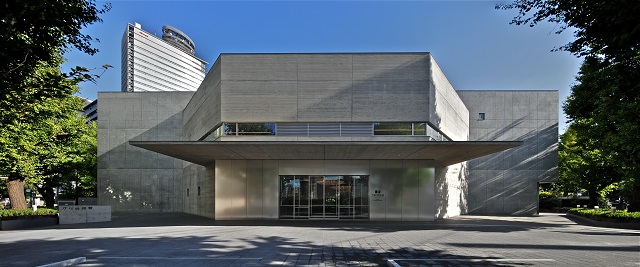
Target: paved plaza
(185, 240)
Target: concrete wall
(506, 182)
(451, 190)
(202, 114)
(198, 190)
(447, 112)
(317, 88)
(249, 189)
(131, 178)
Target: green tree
(583, 166)
(606, 97)
(33, 35)
(69, 154)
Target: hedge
(620, 215)
(5, 213)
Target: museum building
(359, 136)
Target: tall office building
(153, 64)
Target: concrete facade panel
(324, 101)
(255, 189)
(238, 190)
(410, 190)
(381, 67)
(271, 188)
(132, 179)
(259, 101)
(426, 191)
(260, 67)
(377, 182)
(505, 182)
(223, 195)
(325, 67)
(393, 193)
(390, 100)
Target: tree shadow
(217, 250)
(462, 223)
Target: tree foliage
(583, 166)
(38, 112)
(606, 28)
(33, 34)
(605, 101)
(48, 139)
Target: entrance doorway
(324, 197)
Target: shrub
(621, 215)
(26, 212)
(548, 200)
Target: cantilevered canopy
(445, 153)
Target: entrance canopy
(206, 152)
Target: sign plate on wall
(377, 195)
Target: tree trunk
(634, 202)
(593, 196)
(15, 186)
(47, 193)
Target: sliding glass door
(324, 197)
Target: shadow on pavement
(461, 223)
(545, 247)
(211, 250)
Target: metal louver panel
(292, 129)
(357, 129)
(324, 129)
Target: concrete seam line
(68, 262)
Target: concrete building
(373, 136)
(90, 110)
(152, 64)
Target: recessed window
(187, 191)
(198, 190)
(481, 116)
(392, 128)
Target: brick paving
(185, 240)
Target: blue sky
(472, 42)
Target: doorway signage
(377, 195)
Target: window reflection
(337, 129)
(249, 128)
(392, 128)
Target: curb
(592, 222)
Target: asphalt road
(185, 240)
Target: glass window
(256, 129)
(392, 128)
(230, 129)
(481, 116)
(419, 128)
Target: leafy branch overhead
(610, 29)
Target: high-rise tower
(153, 64)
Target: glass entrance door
(317, 196)
(324, 197)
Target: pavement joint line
(68, 262)
(475, 260)
(176, 258)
